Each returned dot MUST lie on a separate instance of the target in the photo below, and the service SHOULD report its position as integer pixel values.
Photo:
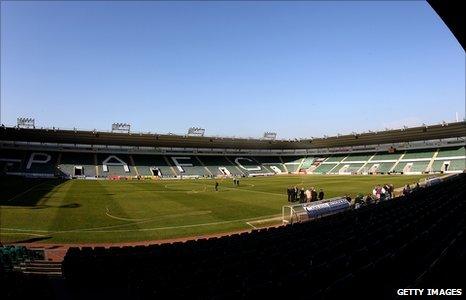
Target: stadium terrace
(97, 154)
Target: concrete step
(43, 269)
(39, 263)
(48, 273)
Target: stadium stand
(336, 158)
(380, 156)
(452, 152)
(114, 165)
(307, 163)
(15, 257)
(324, 168)
(414, 241)
(407, 167)
(11, 161)
(248, 165)
(292, 163)
(347, 168)
(152, 165)
(445, 165)
(273, 163)
(219, 166)
(41, 163)
(32, 163)
(187, 166)
(116, 155)
(381, 167)
(359, 157)
(76, 164)
(82, 164)
(416, 154)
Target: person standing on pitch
(308, 195)
(321, 194)
(313, 194)
(302, 196)
(295, 193)
(289, 193)
(216, 186)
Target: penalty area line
(251, 225)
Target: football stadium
(126, 214)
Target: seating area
(452, 152)
(292, 163)
(307, 162)
(386, 156)
(348, 168)
(219, 165)
(187, 166)
(413, 241)
(324, 168)
(249, 165)
(32, 163)
(336, 158)
(110, 165)
(152, 165)
(14, 257)
(272, 163)
(359, 157)
(77, 164)
(415, 154)
(445, 165)
(411, 166)
(382, 167)
(87, 164)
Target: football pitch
(104, 211)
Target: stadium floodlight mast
(25, 122)
(270, 135)
(121, 127)
(196, 131)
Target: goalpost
(294, 213)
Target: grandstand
(21, 154)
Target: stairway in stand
(42, 267)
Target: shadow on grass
(43, 206)
(35, 239)
(19, 191)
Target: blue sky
(301, 69)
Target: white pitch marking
(121, 219)
(138, 221)
(251, 225)
(25, 233)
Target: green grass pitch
(88, 211)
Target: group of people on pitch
(303, 196)
(379, 193)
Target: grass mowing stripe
(75, 211)
(98, 229)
